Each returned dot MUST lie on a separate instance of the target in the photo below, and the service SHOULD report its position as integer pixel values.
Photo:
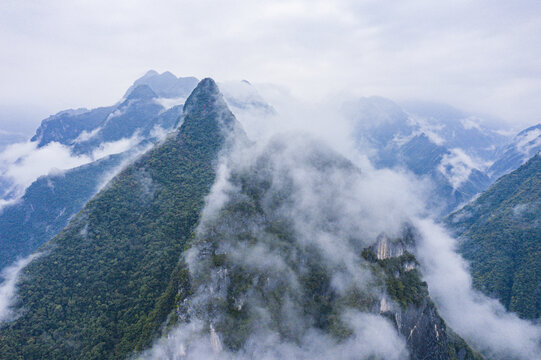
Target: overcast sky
(482, 56)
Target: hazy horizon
(479, 57)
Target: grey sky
(482, 56)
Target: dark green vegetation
(52, 200)
(110, 278)
(500, 235)
(256, 244)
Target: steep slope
(49, 202)
(526, 144)
(414, 315)
(47, 206)
(278, 269)
(41, 212)
(500, 235)
(140, 110)
(472, 134)
(98, 291)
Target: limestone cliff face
(408, 305)
(424, 331)
(385, 248)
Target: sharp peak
(208, 84)
(205, 87)
(205, 98)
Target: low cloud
(338, 211)
(331, 211)
(482, 321)
(457, 167)
(374, 338)
(23, 163)
(8, 287)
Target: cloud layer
(480, 320)
(478, 55)
(22, 163)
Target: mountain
(165, 85)
(140, 110)
(438, 142)
(101, 289)
(265, 266)
(145, 114)
(500, 235)
(473, 134)
(86, 130)
(525, 145)
(161, 247)
(48, 204)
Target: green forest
(500, 235)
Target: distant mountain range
(459, 155)
(523, 147)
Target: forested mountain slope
(279, 269)
(98, 290)
(500, 234)
(124, 267)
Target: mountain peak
(141, 92)
(206, 113)
(165, 85)
(205, 98)
(150, 73)
(206, 86)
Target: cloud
(8, 289)
(87, 135)
(373, 338)
(482, 321)
(23, 163)
(329, 212)
(168, 103)
(476, 55)
(457, 167)
(528, 142)
(326, 206)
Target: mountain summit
(109, 280)
(165, 85)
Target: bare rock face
(416, 317)
(386, 248)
